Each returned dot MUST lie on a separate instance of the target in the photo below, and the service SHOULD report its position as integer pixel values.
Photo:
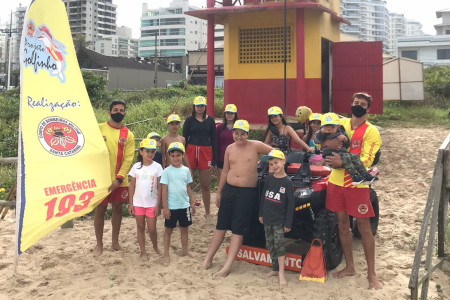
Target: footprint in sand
(48, 265)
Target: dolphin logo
(55, 49)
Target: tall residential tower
(175, 32)
(92, 18)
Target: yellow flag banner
(63, 168)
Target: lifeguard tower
(321, 72)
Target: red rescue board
(261, 256)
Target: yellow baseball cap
(315, 117)
(230, 108)
(241, 124)
(173, 118)
(330, 119)
(148, 144)
(176, 146)
(199, 100)
(276, 154)
(274, 110)
(153, 134)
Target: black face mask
(358, 111)
(117, 117)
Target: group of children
(161, 179)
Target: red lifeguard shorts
(199, 157)
(354, 201)
(118, 195)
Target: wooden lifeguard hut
(320, 71)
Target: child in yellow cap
(224, 134)
(276, 211)
(173, 123)
(155, 136)
(177, 199)
(331, 129)
(145, 194)
(237, 194)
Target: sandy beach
(62, 265)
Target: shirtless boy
(173, 124)
(237, 194)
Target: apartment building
(444, 27)
(92, 18)
(120, 45)
(413, 28)
(176, 33)
(431, 50)
(369, 20)
(18, 19)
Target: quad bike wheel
(373, 221)
(326, 229)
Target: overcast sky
(129, 11)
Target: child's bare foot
(98, 250)
(117, 247)
(344, 272)
(272, 273)
(143, 256)
(373, 282)
(166, 259)
(282, 281)
(156, 249)
(222, 273)
(206, 264)
(186, 253)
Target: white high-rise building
(176, 32)
(413, 28)
(18, 19)
(119, 45)
(369, 20)
(397, 29)
(92, 18)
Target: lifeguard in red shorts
(120, 143)
(346, 199)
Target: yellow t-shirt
(120, 144)
(370, 144)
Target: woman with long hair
(199, 130)
(224, 135)
(315, 120)
(279, 134)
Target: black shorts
(183, 216)
(236, 208)
(220, 164)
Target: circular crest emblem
(30, 29)
(363, 209)
(60, 137)
(356, 144)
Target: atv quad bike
(311, 218)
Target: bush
(96, 88)
(437, 81)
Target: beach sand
(62, 265)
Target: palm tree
(80, 42)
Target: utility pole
(155, 81)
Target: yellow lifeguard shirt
(370, 144)
(120, 144)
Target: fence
(437, 208)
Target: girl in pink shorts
(144, 194)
